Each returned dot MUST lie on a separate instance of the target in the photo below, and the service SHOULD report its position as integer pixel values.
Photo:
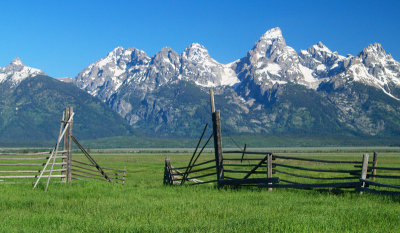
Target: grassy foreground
(145, 205)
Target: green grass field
(144, 204)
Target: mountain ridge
(272, 90)
(258, 83)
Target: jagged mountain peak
(321, 47)
(272, 46)
(16, 71)
(269, 41)
(374, 49)
(196, 53)
(165, 55)
(15, 65)
(272, 34)
(166, 49)
(16, 62)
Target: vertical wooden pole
(218, 145)
(364, 171)
(123, 176)
(374, 164)
(216, 118)
(167, 172)
(65, 146)
(69, 176)
(212, 101)
(269, 168)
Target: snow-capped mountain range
(270, 62)
(271, 90)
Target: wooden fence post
(374, 164)
(124, 175)
(218, 145)
(69, 176)
(65, 146)
(364, 171)
(212, 101)
(269, 169)
(168, 179)
(216, 118)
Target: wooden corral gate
(266, 169)
(58, 163)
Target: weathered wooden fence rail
(14, 166)
(82, 170)
(57, 163)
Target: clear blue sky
(63, 37)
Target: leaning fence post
(374, 164)
(364, 171)
(269, 169)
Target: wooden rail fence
(56, 163)
(265, 169)
(15, 166)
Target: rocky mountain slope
(271, 90)
(31, 106)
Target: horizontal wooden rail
(201, 176)
(189, 178)
(246, 152)
(29, 154)
(385, 176)
(91, 165)
(381, 168)
(238, 171)
(91, 177)
(316, 170)
(197, 164)
(204, 182)
(317, 178)
(20, 171)
(37, 158)
(249, 181)
(29, 164)
(380, 184)
(81, 167)
(316, 160)
(31, 171)
(311, 186)
(57, 170)
(32, 176)
(239, 165)
(88, 173)
(244, 159)
(199, 170)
